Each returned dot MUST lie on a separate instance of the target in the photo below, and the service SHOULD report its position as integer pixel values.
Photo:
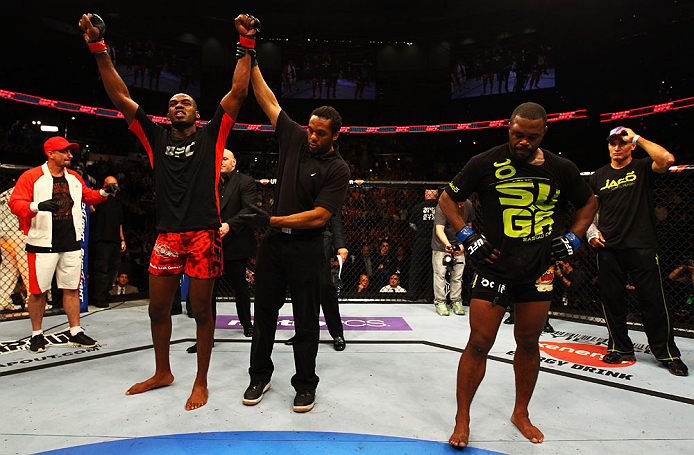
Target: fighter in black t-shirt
(627, 242)
(524, 192)
(186, 162)
(312, 181)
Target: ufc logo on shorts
(489, 284)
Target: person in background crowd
(422, 221)
(107, 243)
(393, 285)
(122, 285)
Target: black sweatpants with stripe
(644, 270)
(295, 262)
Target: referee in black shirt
(312, 181)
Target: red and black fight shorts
(197, 253)
(504, 294)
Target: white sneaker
(441, 309)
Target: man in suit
(236, 192)
(122, 286)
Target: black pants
(644, 270)
(105, 259)
(294, 261)
(328, 298)
(421, 273)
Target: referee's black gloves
(255, 215)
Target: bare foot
(198, 397)
(461, 433)
(158, 380)
(529, 430)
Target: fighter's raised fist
(93, 27)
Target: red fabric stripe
(136, 128)
(248, 42)
(33, 280)
(97, 46)
(224, 129)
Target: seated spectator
(122, 286)
(393, 285)
(363, 287)
(384, 263)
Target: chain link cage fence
(382, 242)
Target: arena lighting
(648, 110)
(49, 128)
(571, 115)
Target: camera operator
(447, 254)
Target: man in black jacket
(236, 192)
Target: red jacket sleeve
(89, 196)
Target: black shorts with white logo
(504, 294)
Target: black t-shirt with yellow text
(523, 208)
(625, 204)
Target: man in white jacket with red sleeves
(47, 200)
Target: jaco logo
(584, 354)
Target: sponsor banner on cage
(348, 323)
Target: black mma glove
(255, 215)
(565, 246)
(51, 205)
(109, 189)
(476, 245)
(241, 51)
(248, 41)
(98, 45)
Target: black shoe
(616, 357)
(254, 393)
(304, 401)
(38, 344)
(339, 343)
(194, 348)
(290, 341)
(81, 340)
(676, 367)
(509, 319)
(248, 331)
(548, 328)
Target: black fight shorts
(504, 294)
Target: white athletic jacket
(35, 186)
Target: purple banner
(348, 323)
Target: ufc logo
(475, 246)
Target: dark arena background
(419, 117)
